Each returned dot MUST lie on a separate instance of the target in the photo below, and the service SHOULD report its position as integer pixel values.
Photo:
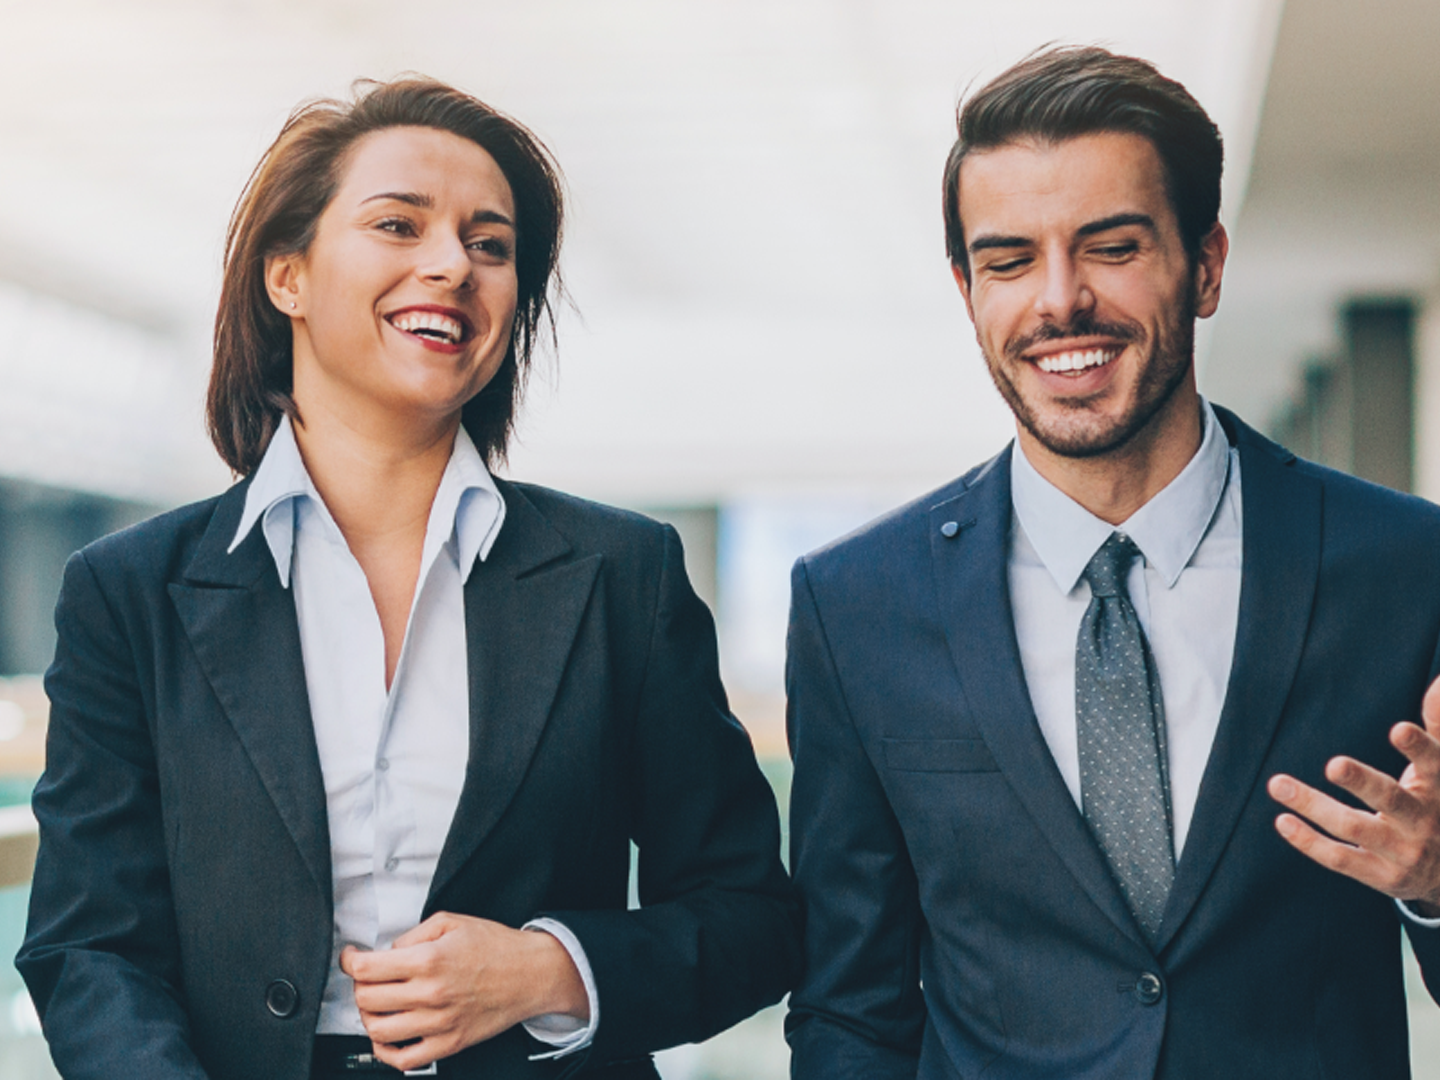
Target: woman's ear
(283, 283)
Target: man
(1041, 718)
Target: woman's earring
(292, 305)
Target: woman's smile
(405, 299)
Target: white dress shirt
(393, 761)
(1186, 593)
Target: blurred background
(765, 348)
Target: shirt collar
(1167, 529)
(467, 505)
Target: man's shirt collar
(1167, 529)
(467, 506)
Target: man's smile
(1074, 361)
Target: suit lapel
(242, 627)
(523, 607)
(1281, 520)
(974, 600)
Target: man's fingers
(1344, 859)
(1430, 709)
(1422, 747)
(1354, 827)
(1375, 789)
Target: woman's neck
(378, 483)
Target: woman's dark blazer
(181, 913)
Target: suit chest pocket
(938, 755)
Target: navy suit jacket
(960, 919)
(180, 919)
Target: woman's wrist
(560, 989)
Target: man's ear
(1209, 269)
(283, 283)
(964, 284)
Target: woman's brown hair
(251, 379)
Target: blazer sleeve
(100, 956)
(716, 936)
(858, 1013)
(1425, 940)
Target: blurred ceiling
(755, 248)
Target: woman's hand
(454, 981)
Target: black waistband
(349, 1055)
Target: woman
(344, 766)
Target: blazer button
(1148, 988)
(281, 998)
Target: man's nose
(1064, 291)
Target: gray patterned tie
(1120, 721)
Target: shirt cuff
(566, 1034)
(1407, 912)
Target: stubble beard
(1081, 431)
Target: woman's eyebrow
(410, 198)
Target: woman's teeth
(1078, 360)
(429, 324)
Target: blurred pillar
(39, 528)
(699, 529)
(1380, 347)
(1427, 399)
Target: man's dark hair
(1060, 93)
(251, 379)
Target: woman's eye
(493, 246)
(396, 226)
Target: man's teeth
(1076, 361)
(428, 324)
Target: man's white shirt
(1186, 594)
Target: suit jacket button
(1149, 989)
(281, 998)
(950, 530)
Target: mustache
(1080, 326)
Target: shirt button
(383, 764)
(391, 863)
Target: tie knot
(1109, 566)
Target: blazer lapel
(241, 624)
(974, 600)
(523, 608)
(1280, 567)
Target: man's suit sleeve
(1425, 940)
(716, 935)
(858, 1013)
(100, 955)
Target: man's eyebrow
(1117, 221)
(980, 243)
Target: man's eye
(1117, 251)
(1006, 266)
